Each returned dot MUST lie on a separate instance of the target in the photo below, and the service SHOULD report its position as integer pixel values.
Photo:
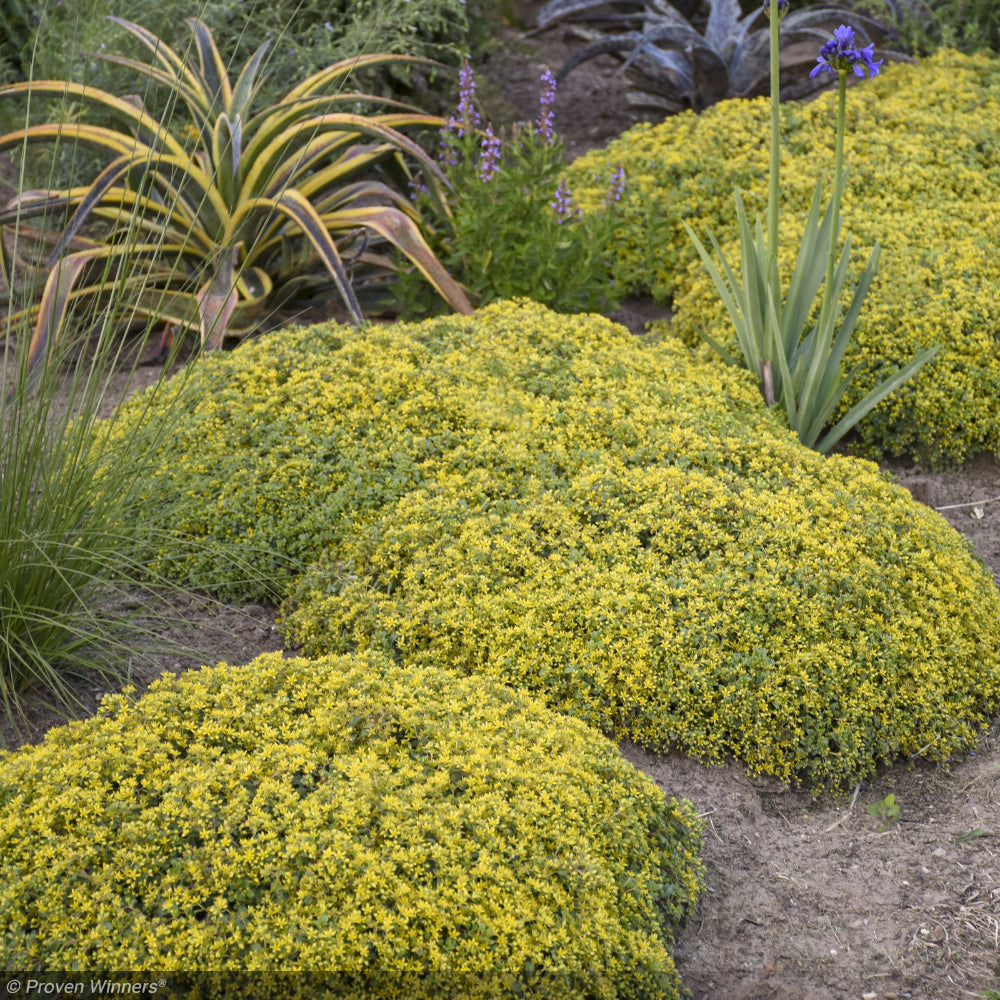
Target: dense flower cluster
(344, 814)
(468, 116)
(922, 146)
(621, 528)
(841, 55)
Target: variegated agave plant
(680, 67)
(210, 228)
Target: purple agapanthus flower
(489, 158)
(840, 55)
(544, 122)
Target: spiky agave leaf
(214, 209)
(685, 68)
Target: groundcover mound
(622, 528)
(922, 146)
(344, 814)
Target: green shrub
(344, 814)
(926, 25)
(511, 228)
(922, 147)
(214, 226)
(624, 529)
(306, 35)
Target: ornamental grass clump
(215, 224)
(923, 143)
(79, 603)
(409, 830)
(624, 529)
(800, 370)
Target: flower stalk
(774, 175)
(799, 363)
(838, 190)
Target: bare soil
(807, 899)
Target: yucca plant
(683, 67)
(238, 211)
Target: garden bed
(807, 899)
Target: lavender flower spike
(467, 114)
(782, 7)
(617, 187)
(489, 158)
(840, 55)
(563, 203)
(544, 122)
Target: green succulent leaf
(684, 67)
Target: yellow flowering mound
(922, 146)
(344, 814)
(622, 528)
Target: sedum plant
(621, 527)
(926, 136)
(685, 67)
(798, 359)
(379, 830)
(239, 212)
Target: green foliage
(798, 357)
(504, 237)
(305, 37)
(240, 210)
(924, 26)
(885, 811)
(694, 63)
(17, 23)
(923, 145)
(76, 598)
(345, 814)
(622, 528)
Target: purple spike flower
(417, 187)
(840, 55)
(447, 154)
(544, 122)
(467, 114)
(563, 203)
(617, 186)
(489, 158)
(782, 7)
